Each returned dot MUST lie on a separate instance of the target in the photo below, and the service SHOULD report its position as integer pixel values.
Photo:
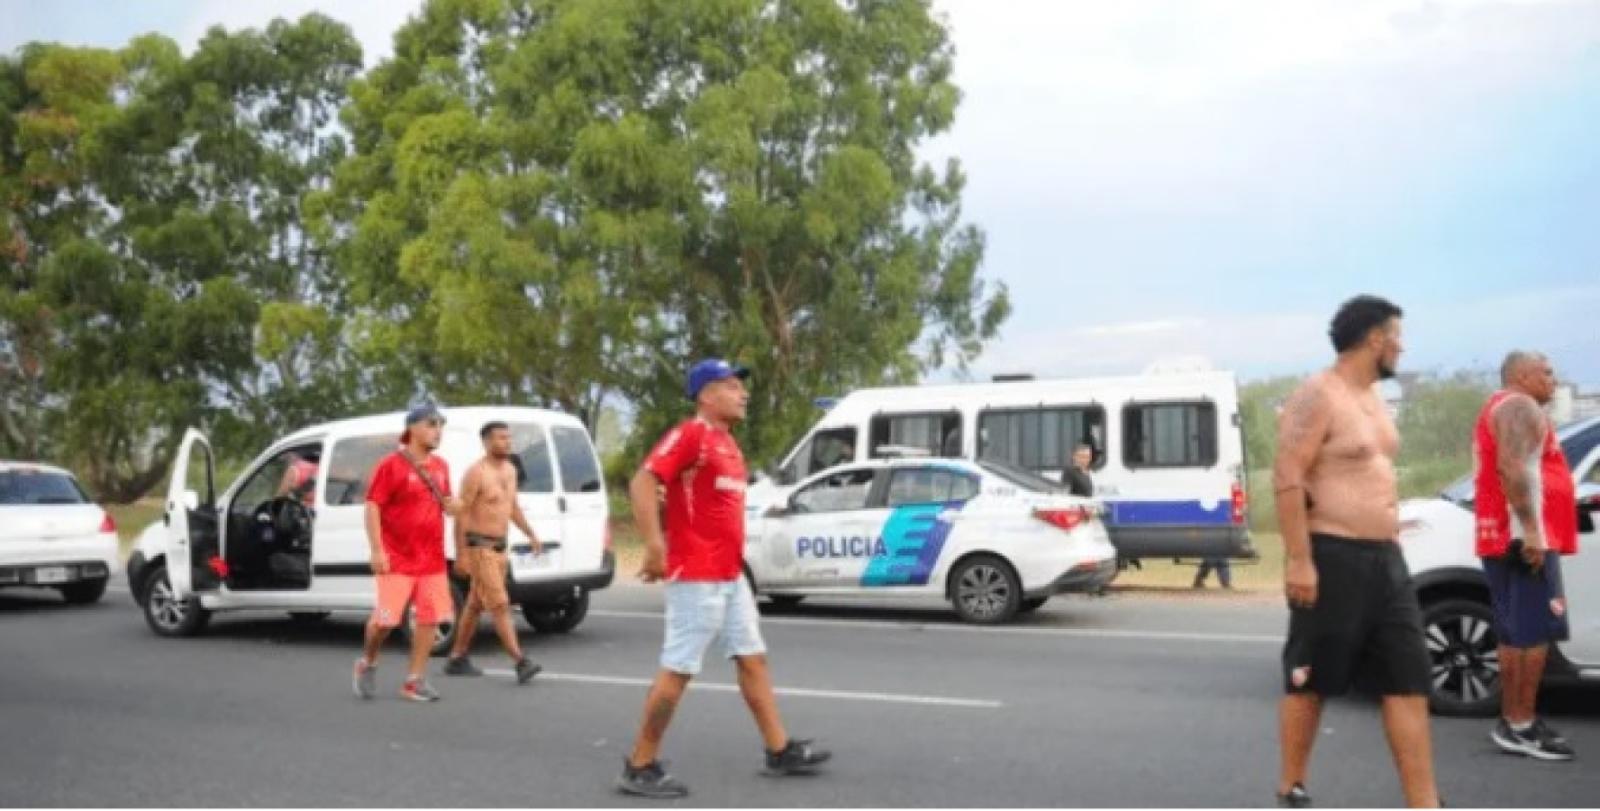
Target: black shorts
(1366, 622)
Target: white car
(288, 535)
(993, 539)
(1437, 537)
(52, 535)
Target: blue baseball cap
(426, 411)
(710, 371)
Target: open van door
(189, 491)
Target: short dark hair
(1357, 318)
(490, 427)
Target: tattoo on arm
(1519, 428)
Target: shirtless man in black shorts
(1351, 605)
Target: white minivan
(1168, 464)
(289, 534)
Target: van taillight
(107, 524)
(1067, 519)
(1238, 503)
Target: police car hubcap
(983, 590)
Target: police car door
(829, 531)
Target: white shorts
(698, 613)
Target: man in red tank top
(1527, 518)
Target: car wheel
(1465, 658)
(308, 617)
(84, 592)
(558, 617)
(1032, 604)
(166, 614)
(985, 590)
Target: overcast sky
(1177, 179)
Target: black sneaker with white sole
(1296, 797)
(650, 781)
(798, 757)
(1538, 741)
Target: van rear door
(582, 501)
(537, 495)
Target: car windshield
(1576, 444)
(1026, 479)
(22, 486)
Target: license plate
(529, 560)
(52, 574)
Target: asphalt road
(1119, 701)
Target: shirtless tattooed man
(1351, 606)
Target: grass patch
(1264, 574)
(132, 519)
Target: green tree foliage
(156, 274)
(558, 201)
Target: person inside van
(1076, 477)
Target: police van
(289, 533)
(1168, 465)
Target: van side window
(929, 485)
(350, 467)
(530, 455)
(925, 434)
(579, 471)
(1041, 439)
(825, 449)
(1169, 435)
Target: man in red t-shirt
(701, 559)
(1527, 518)
(407, 499)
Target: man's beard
(1385, 370)
(499, 455)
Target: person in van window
(1076, 477)
(701, 559)
(299, 479)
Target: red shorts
(429, 594)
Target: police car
(993, 539)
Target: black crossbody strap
(438, 496)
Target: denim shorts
(700, 612)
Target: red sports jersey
(704, 473)
(412, 521)
(1558, 504)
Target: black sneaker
(1506, 738)
(461, 666)
(1544, 743)
(1295, 798)
(799, 757)
(526, 670)
(650, 781)
(1546, 729)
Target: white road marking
(798, 692)
(1086, 633)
